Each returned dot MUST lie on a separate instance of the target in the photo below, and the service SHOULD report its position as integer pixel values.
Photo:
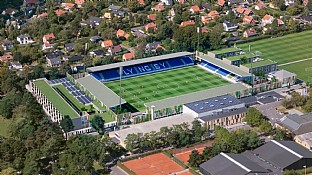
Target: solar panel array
(80, 95)
(57, 81)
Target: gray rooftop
(298, 124)
(200, 95)
(282, 153)
(263, 98)
(223, 114)
(229, 164)
(225, 66)
(213, 103)
(281, 74)
(155, 125)
(140, 61)
(100, 91)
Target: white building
(24, 39)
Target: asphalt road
(117, 171)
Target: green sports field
(284, 49)
(302, 69)
(152, 87)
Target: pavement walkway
(293, 62)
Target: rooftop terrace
(230, 49)
(239, 57)
(259, 63)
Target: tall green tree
(98, 123)
(67, 124)
(216, 36)
(195, 159)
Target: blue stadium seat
(176, 62)
(223, 72)
(188, 60)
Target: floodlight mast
(120, 92)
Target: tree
(215, 36)
(67, 124)
(207, 153)
(132, 142)
(98, 123)
(309, 5)
(195, 159)
(198, 131)
(281, 135)
(253, 117)
(265, 127)
(9, 171)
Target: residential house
(150, 25)
(205, 19)
(306, 19)
(171, 12)
(59, 12)
(186, 23)
(92, 22)
(121, 33)
(194, 9)
(152, 47)
(47, 45)
(213, 14)
(229, 26)
(27, 2)
(113, 50)
(138, 32)
(95, 39)
(128, 56)
(167, 2)
(6, 57)
(114, 7)
(206, 6)
(233, 2)
(204, 30)
(15, 66)
(250, 33)
(48, 37)
(286, 78)
(221, 3)
(141, 2)
(248, 12)
(75, 58)
(280, 22)
(24, 39)
(9, 11)
(7, 44)
(107, 44)
(240, 10)
(267, 19)
(151, 17)
(68, 6)
(69, 47)
(305, 2)
(42, 15)
(260, 6)
(97, 53)
(54, 62)
(79, 3)
(107, 15)
(181, 1)
(248, 20)
(289, 2)
(159, 7)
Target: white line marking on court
(293, 62)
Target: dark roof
(69, 46)
(7, 42)
(235, 38)
(235, 1)
(93, 20)
(76, 58)
(297, 124)
(282, 153)
(95, 38)
(263, 98)
(98, 52)
(116, 49)
(213, 103)
(307, 18)
(224, 113)
(53, 54)
(206, 5)
(24, 36)
(113, 7)
(55, 61)
(230, 24)
(31, 1)
(77, 123)
(229, 164)
(153, 45)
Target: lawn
(57, 101)
(152, 87)
(107, 118)
(302, 69)
(4, 126)
(283, 49)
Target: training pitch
(152, 87)
(283, 49)
(302, 69)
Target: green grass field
(302, 69)
(4, 126)
(283, 49)
(152, 87)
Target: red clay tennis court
(184, 156)
(156, 164)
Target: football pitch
(283, 49)
(302, 69)
(153, 87)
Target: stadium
(145, 89)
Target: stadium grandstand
(142, 66)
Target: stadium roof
(139, 61)
(228, 164)
(213, 103)
(192, 97)
(155, 125)
(223, 114)
(225, 66)
(100, 91)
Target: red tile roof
(247, 19)
(159, 7)
(68, 5)
(186, 23)
(150, 25)
(6, 57)
(141, 2)
(247, 11)
(151, 17)
(128, 56)
(49, 36)
(221, 2)
(79, 2)
(121, 33)
(59, 12)
(195, 8)
(108, 43)
(213, 14)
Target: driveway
(117, 171)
